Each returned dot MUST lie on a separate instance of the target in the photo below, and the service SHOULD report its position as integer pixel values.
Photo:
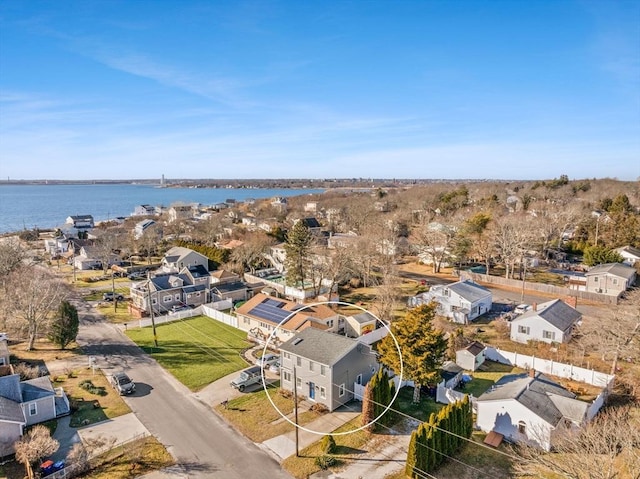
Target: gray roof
(542, 396)
(616, 269)
(450, 370)
(10, 387)
(10, 410)
(469, 290)
(228, 287)
(37, 388)
(630, 249)
(320, 346)
(556, 312)
(198, 271)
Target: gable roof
(320, 346)
(540, 394)
(469, 290)
(616, 269)
(37, 388)
(177, 252)
(475, 348)
(450, 370)
(10, 388)
(275, 310)
(11, 411)
(629, 250)
(311, 222)
(556, 312)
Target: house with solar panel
(265, 316)
(325, 367)
(463, 301)
(531, 408)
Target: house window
(522, 427)
(359, 379)
(299, 383)
(246, 320)
(299, 361)
(323, 370)
(549, 335)
(615, 281)
(446, 292)
(595, 279)
(1, 361)
(33, 409)
(287, 355)
(341, 390)
(330, 323)
(323, 392)
(523, 329)
(177, 297)
(287, 376)
(167, 299)
(154, 301)
(311, 366)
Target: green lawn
(483, 380)
(422, 410)
(196, 351)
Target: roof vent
(297, 341)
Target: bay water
(48, 206)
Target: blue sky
(293, 89)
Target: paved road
(201, 442)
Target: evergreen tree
(298, 247)
(368, 406)
(423, 347)
(412, 457)
(64, 327)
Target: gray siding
(45, 410)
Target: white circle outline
(272, 335)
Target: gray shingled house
(463, 301)
(528, 408)
(326, 366)
(550, 322)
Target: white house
(630, 255)
(141, 227)
(80, 221)
(550, 322)
(471, 357)
(463, 301)
(529, 408)
(610, 278)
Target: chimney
(571, 301)
(535, 306)
(532, 373)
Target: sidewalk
(285, 445)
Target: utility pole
(113, 291)
(524, 277)
(295, 407)
(153, 322)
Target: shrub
(285, 393)
(325, 461)
(328, 444)
(319, 408)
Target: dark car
(109, 296)
(123, 383)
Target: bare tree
(36, 444)
(511, 236)
(607, 447)
(36, 294)
(251, 255)
(435, 240)
(12, 255)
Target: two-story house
(80, 221)
(324, 367)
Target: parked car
(522, 308)
(122, 383)
(248, 377)
(275, 367)
(267, 360)
(109, 296)
(137, 275)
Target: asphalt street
(203, 445)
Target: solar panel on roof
(269, 313)
(273, 302)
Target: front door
(312, 391)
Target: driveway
(202, 444)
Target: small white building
(471, 357)
(610, 278)
(550, 322)
(529, 408)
